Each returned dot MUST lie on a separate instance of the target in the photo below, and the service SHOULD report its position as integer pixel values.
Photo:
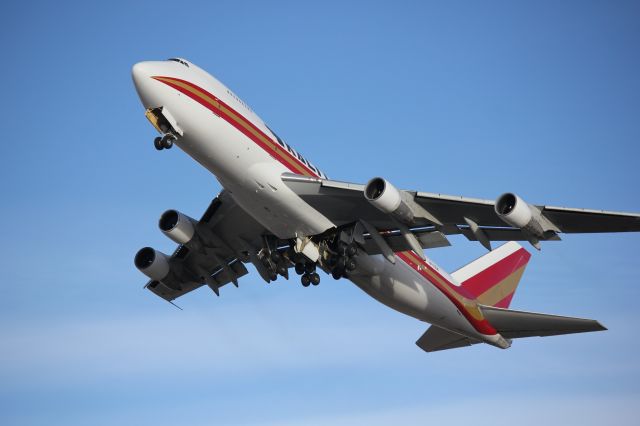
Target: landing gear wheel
(306, 280)
(273, 276)
(315, 278)
(336, 274)
(167, 141)
(351, 250)
(309, 267)
(299, 268)
(157, 142)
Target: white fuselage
(226, 137)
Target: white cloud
(221, 342)
(533, 410)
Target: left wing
(224, 238)
(507, 219)
(439, 339)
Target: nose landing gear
(164, 142)
(166, 125)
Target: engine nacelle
(517, 213)
(177, 226)
(388, 199)
(152, 263)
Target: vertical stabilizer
(493, 278)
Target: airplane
(277, 211)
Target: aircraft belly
(401, 288)
(275, 205)
(247, 171)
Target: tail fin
(493, 278)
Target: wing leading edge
(476, 219)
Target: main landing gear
(276, 263)
(335, 254)
(343, 261)
(339, 260)
(308, 273)
(164, 142)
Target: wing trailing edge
(516, 324)
(511, 325)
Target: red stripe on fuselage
(281, 154)
(452, 292)
(285, 158)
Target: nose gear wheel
(164, 142)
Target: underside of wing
(515, 324)
(175, 287)
(584, 221)
(221, 241)
(439, 339)
(508, 218)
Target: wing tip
(600, 327)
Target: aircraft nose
(141, 74)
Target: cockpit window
(183, 62)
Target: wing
(439, 339)
(515, 324)
(476, 219)
(231, 234)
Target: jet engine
(388, 199)
(177, 226)
(514, 211)
(152, 263)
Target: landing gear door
(163, 121)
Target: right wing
(234, 233)
(515, 324)
(511, 325)
(476, 219)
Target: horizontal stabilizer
(439, 339)
(514, 324)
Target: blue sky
(468, 98)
